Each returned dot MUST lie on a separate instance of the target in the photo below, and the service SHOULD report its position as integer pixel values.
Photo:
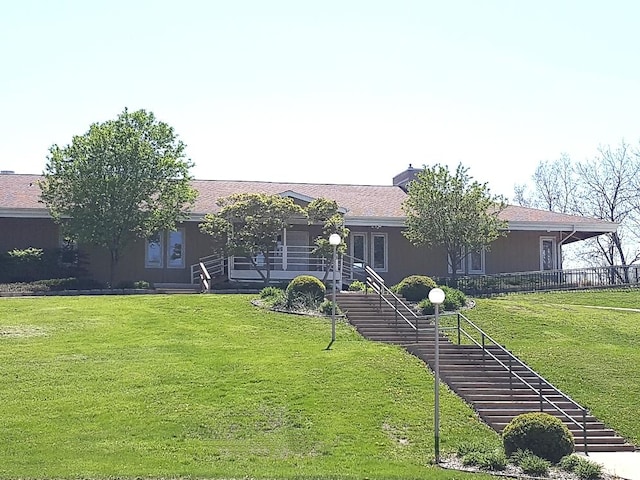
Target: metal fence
(580, 278)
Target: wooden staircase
(473, 373)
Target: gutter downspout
(561, 242)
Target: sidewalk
(623, 464)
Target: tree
(608, 190)
(124, 179)
(453, 212)
(553, 187)
(248, 224)
(326, 212)
(605, 187)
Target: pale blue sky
(327, 91)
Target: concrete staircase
(476, 376)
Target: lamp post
(334, 240)
(436, 297)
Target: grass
(591, 354)
(208, 386)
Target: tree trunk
(112, 266)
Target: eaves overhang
(375, 221)
(24, 213)
(601, 227)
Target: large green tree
(123, 179)
(248, 224)
(452, 211)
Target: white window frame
(172, 243)
(385, 238)
(554, 253)
(148, 263)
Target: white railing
(287, 258)
(284, 263)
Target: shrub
(305, 285)
(425, 307)
(357, 286)
(542, 434)
(326, 308)
(31, 264)
(569, 463)
(274, 297)
(269, 292)
(472, 459)
(454, 299)
(530, 463)
(71, 283)
(583, 468)
(494, 460)
(414, 287)
(587, 470)
(302, 302)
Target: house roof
(364, 205)
(358, 201)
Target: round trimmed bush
(306, 285)
(414, 287)
(542, 434)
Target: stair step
(475, 374)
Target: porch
(282, 264)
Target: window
(153, 251)
(379, 251)
(476, 261)
(175, 249)
(459, 263)
(359, 247)
(547, 253)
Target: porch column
(284, 249)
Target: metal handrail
(377, 284)
(213, 263)
(509, 368)
(353, 268)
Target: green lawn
(592, 354)
(209, 386)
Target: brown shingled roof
(20, 193)
(357, 200)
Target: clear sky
(346, 91)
